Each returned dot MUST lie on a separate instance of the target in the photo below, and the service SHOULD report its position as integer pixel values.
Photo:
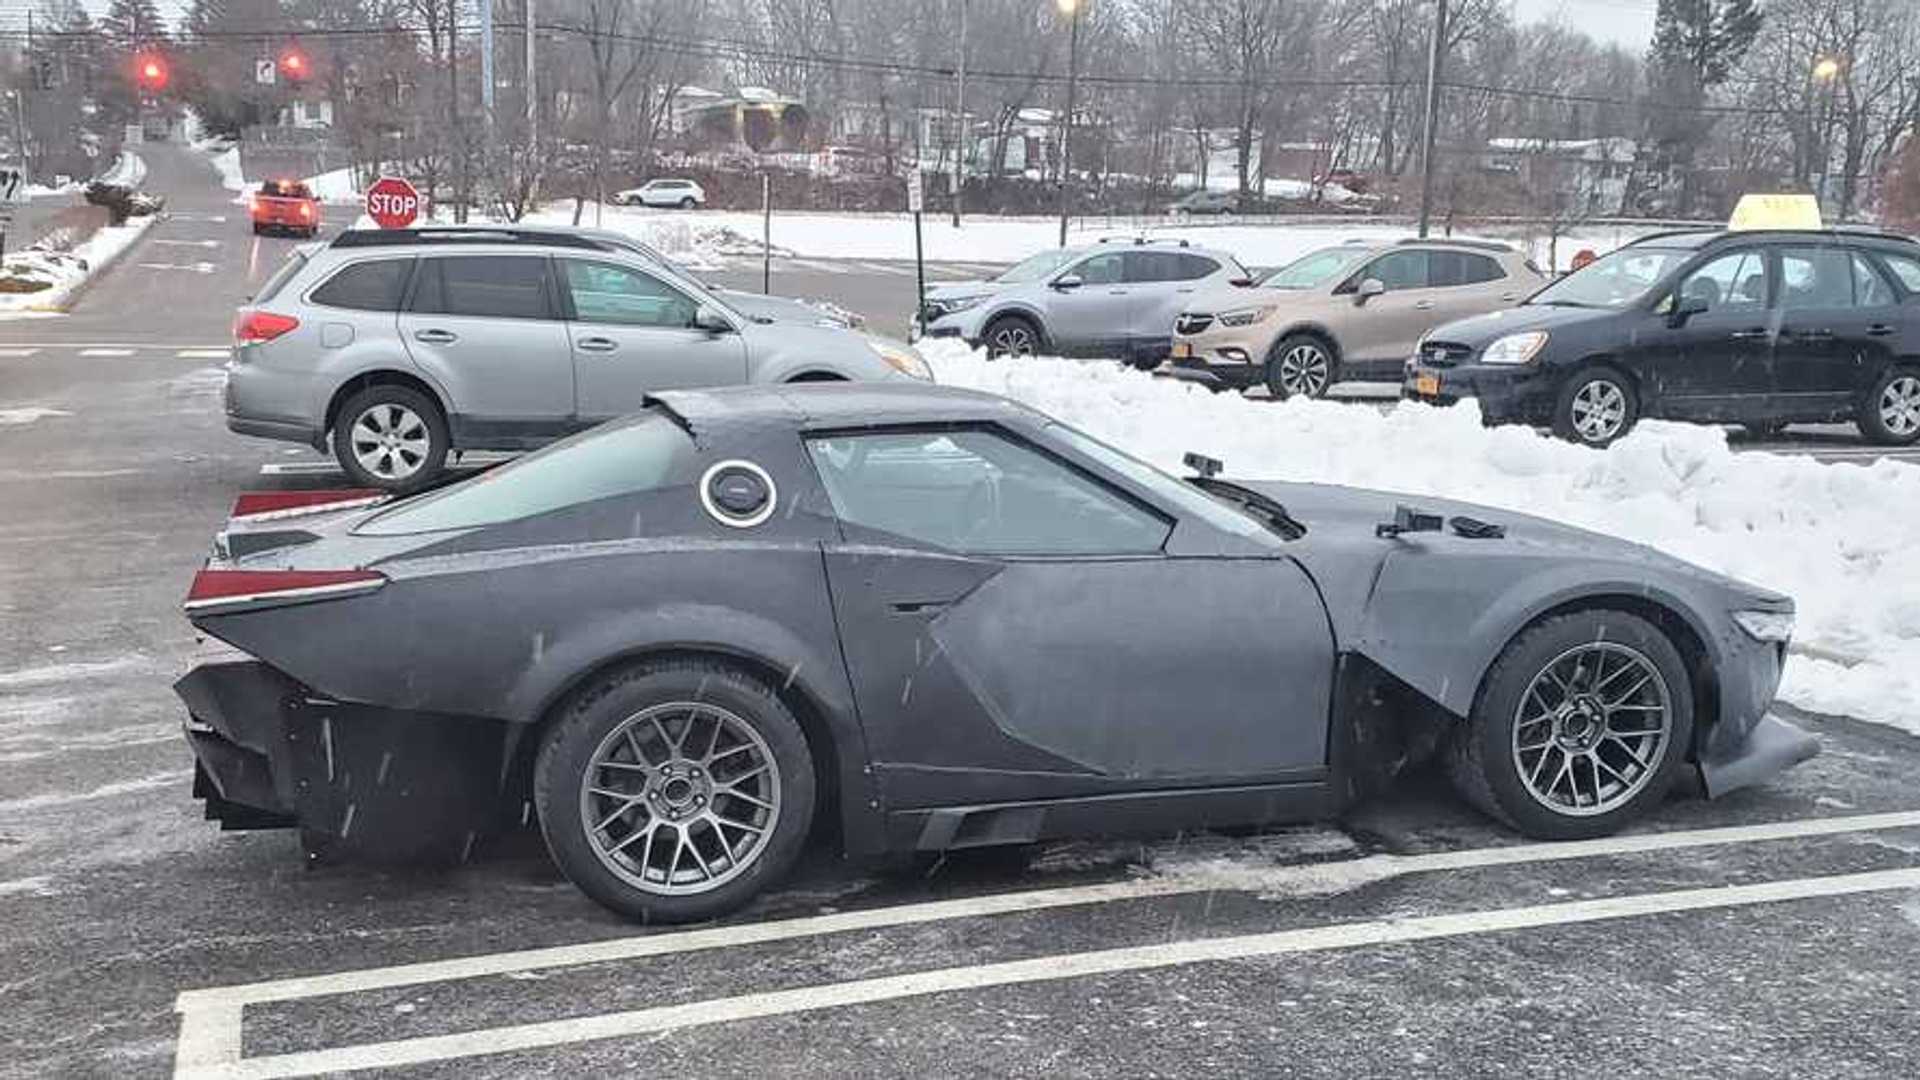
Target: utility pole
(533, 110)
(1434, 60)
(960, 119)
(486, 61)
(1071, 9)
(459, 144)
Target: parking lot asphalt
(1410, 938)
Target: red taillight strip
(214, 590)
(269, 505)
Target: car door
(1839, 320)
(1091, 318)
(1165, 281)
(487, 329)
(1468, 283)
(1014, 629)
(1717, 364)
(1384, 328)
(632, 334)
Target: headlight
(952, 305)
(1514, 348)
(1775, 626)
(1245, 316)
(901, 358)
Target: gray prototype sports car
(924, 619)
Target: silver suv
(1117, 298)
(398, 347)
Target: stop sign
(392, 203)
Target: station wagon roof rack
(1710, 235)
(1448, 241)
(357, 238)
(1143, 241)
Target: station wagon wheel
(674, 790)
(1579, 727)
(1300, 366)
(1890, 415)
(390, 437)
(1595, 407)
(1011, 335)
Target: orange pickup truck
(286, 206)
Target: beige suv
(1355, 311)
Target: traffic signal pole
(1434, 61)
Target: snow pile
(44, 277)
(1842, 539)
(227, 164)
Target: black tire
(1481, 756)
(1585, 411)
(688, 203)
(432, 425)
(1887, 414)
(1303, 365)
(1764, 429)
(601, 710)
(1012, 335)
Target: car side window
(1106, 268)
(1736, 281)
(376, 285)
(1479, 269)
(1193, 267)
(976, 491)
(1143, 267)
(1870, 286)
(488, 286)
(1815, 278)
(1400, 270)
(605, 293)
(1904, 267)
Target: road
(1411, 937)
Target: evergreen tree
(1696, 44)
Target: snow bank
(1842, 539)
(227, 164)
(53, 274)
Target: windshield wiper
(1266, 511)
(1557, 303)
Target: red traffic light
(151, 71)
(293, 63)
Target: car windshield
(1316, 269)
(645, 451)
(1614, 280)
(1182, 496)
(1037, 266)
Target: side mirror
(1067, 282)
(1684, 308)
(1369, 289)
(705, 318)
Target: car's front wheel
(1596, 406)
(1011, 335)
(675, 790)
(391, 437)
(1890, 415)
(1580, 726)
(1301, 365)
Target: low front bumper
(383, 783)
(1507, 395)
(1211, 372)
(1770, 747)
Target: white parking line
(1047, 969)
(17, 353)
(106, 352)
(203, 354)
(210, 1018)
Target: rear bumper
(382, 783)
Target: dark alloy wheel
(390, 437)
(1301, 365)
(1596, 406)
(1580, 727)
(688, 203)
(1011, 335)
(672, 791)
(1890, 414)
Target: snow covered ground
(1842, 539)
(64, 271)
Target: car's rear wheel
(1890, 415)
(1579, 728)
(1596, 406)
(1011, 335)
(391, 437)
(688, 203)
(1301, 365)
(672, 791)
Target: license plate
(1426, 385)
(1182, 350)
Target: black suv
(1756, 328)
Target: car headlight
(954, 305)
(1245, 316)
(901, 358)
(1774, 626)
(1514, 348)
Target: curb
(79, 288)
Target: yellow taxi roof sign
(1775, 212)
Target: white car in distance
(683, 194)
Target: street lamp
(1826, 70)
(1070, 9)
